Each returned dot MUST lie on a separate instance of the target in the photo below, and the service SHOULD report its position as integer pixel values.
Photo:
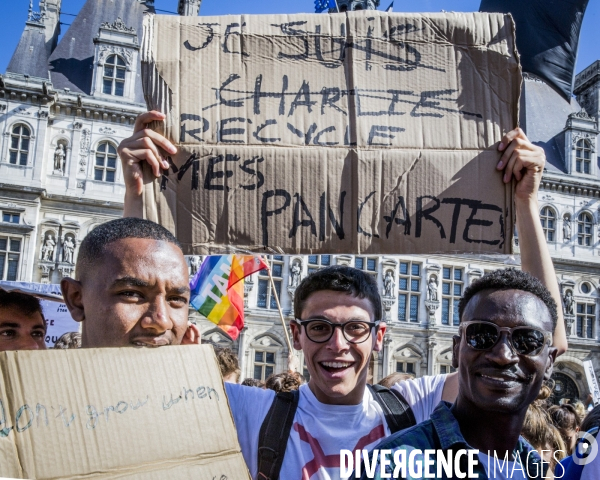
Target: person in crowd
(580, 410)
(253, 382)
(587, 466)
(503, 354)
(68, 340)
(335, 409)
(22, 323)
(539, 431)
(564, 418)
(131, 287)
(228, 364)
(395, 378)
(284, 382)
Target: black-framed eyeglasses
(319, 330)
(482, 335)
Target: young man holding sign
(338, 325)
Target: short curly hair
(510, 279)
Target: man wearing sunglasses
(503, 352)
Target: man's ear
(295, 328)
(552, 351)
(192, 335)
(73, 295)
(379, 337)
(455, 349)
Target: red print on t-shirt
(331, 461)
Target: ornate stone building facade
(66, 105)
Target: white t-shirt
(319, 430)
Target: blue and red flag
(322, 5)
(218, 289)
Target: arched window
(106, 162)
(548, 218)
(583, 157)
(584, 229)
(114, 76)
(19, 145)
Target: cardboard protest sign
(126, 413)
(362, 132)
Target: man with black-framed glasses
(503, 352)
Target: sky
(14, 15)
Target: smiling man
(131, 287)
(22, 324)
(502, 353)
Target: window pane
(3, 243)
(399, 367)
(98, 174)
(101, 147)
(455, 317)
(278, 258)
(403, 268)
(258, 373)
(414, 285)
(100, 160)
(107, 87)
(410, 368)
(403, 283)
(13, 158)
(15, 246)
(23, 158)
(580, 307)
(414, 308)
(109, 71)
(312, 270)
(14, 142)
(270, 357)
(2, 260)
(276, 269)
(110, 176)
(457, 290)
(580, 326)
(13, 263)
(313, 259)
(259, 356)
(119, 88)
(278, 290)
(120, 61)
(415, 269)
(586, 167)
(445, 311)
(590, 324)
(402, 307)
(24, 144)
(5, 217)
(446, 273)
(121, 73)
(458, 274)
(359, 263)
(371, 264)
(268, 372)
(261, 301)
(111, 149)
(111, 162)
(325, 259)
(446, 288)
(590, 309)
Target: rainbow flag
(218, 289)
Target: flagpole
(274, 293)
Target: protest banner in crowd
(361, 133)
(106, 413)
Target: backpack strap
(396, 410)
(274, 433)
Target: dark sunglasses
(482, 335)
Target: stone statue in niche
(432, 289)
(569, 303)
(388, 284)
(59, 158)
(194, 264)
(567, 228)
(48, 248)
(295, 274)
(68, 250)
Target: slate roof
(31, 55)
(544, 113)
(71, 63)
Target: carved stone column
(430, 357)
(387, 340)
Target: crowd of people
(131, 289)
